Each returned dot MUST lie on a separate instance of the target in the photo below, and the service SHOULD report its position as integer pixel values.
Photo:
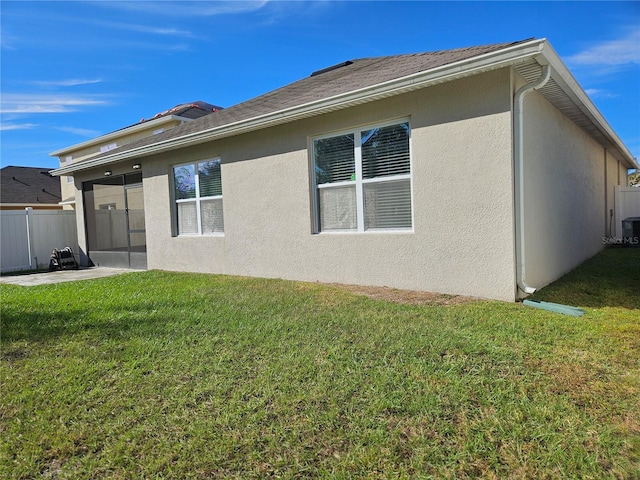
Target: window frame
(108, 147)
(359, 181)
(197, 200)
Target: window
(363, 180)
(106, 148)
(198, 198)
(67, 160)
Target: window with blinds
(363, 180)
(198, 198)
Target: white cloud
(169, 32)
(178, 47)
(83, 132)
(17, 126)
(598, 93)
(74, 82)
(622, 51)
(7, 42)
(190, 9)
(43, 103)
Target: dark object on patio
(631, 232)
(62, 259)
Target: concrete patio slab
(29, 280)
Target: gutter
(156, 122)
(463, 68)
(518, 134)
(570, 86)
(510, 56)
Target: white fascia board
(463, 68)
(569, 85)
(33, 205)
(119, 133)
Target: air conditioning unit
(631, 231)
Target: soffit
(567, 102)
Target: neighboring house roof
(360, 81)
(28, 185)
(185, 112)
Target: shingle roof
(28, 185)
(367, 79)
(346, 77)
(191, 110)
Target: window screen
(198, 198)
(382, 194)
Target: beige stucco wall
(462, 241)
(80, 218)
(67, 191)
(611, 181)
(567, 192)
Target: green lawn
(169, 375)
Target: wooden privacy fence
(28, 236)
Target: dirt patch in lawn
(411, 297)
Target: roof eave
(28, 204)
(538, 49)
(567, 82)
(463, 68)
(156, 122)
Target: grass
(169, 375)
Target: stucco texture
(567, 193)
(462, 238)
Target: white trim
(388, 178)
(197, 199)
(460, 69)
(344, 183)
(357, 149)
(359, 181)
(108, 147)
(371, 231)
(510, 56)
(569, 85)
(119, 133)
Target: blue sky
(71, 71)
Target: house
(23, 187)
(158, 123)
(483, 171)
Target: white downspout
(518, 134)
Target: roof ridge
(448, 50)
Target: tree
(634, 179)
